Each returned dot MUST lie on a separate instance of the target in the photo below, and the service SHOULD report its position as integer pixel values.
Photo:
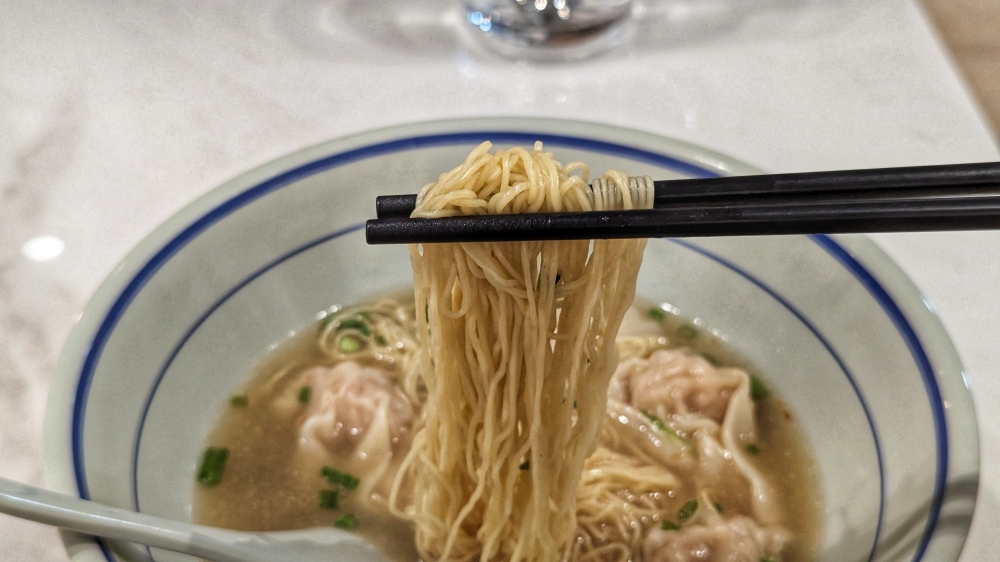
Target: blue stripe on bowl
(117, 310)
(906, 330)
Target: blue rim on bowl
(873, 270)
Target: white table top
(114, 115)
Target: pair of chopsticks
(925, 198)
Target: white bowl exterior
(261, 255)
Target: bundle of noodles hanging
(518, 350)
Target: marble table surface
(115, 114)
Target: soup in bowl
(217, 321)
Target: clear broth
(264, 490)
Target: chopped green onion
(688, 510)
(305, 393)
(213, 464)
(656, 314)
(346, 521)
(355, 324)
(239, 401)
(758, 389)
(325, 321)
(349, 344)
(753, 449)
(769, 559)
(669, 526)
(655, 421)
(427, 312)
(525, 465)
(665, 429)
(337, 477)
(381, 340)
(329, 499)
(718, 507)
(687, 332)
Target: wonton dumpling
(356, 414)
(670, 382)
(739, 539)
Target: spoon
(222, 545)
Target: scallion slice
(688, 510)
(687, 332)
(346, 521)
(349, 344)
(665, 429)
(305, 393)
(758, 390)
(213, 465)
(355, 323)
(329, 499)
(348, 481)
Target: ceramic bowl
(832, 323)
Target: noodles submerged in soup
(499, 415)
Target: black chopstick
(874, 184)
(927, 198)
(764, 218)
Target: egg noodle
(517, 350)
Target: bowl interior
(831, 323)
